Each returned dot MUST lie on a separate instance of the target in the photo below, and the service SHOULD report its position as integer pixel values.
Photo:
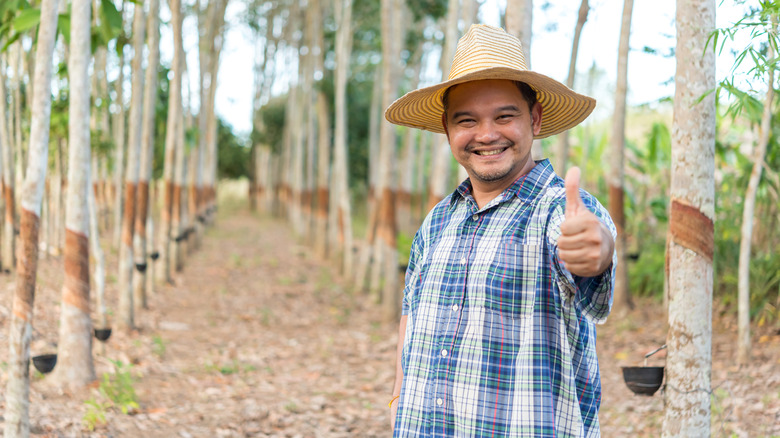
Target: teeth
(495, 152)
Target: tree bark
(405, 219)
(748, 215)
(171, 135)
(147, 154)
(689, 361)
(385, 263)
(562, 150)
(519, 22)
(126, 320)
(616, 178)
(441, 156)
(17, 393)
(211, 133)
(340, 211)
(8, 255)
(119, 155)
(75, 368)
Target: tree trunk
(210, 163)
(126, 320)
(171, 138)
(340, 211)
(119, 155)
(17, 393)
(179, 166)
(562, 150)
(147, 154)
(21, 157)
(519, 22)
(441, 157)
(748, 215)
(100, 263)
(75, 368)
(616, 178)
(385, 263)
(410, 154)
(6, 148)
(689, 361)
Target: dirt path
(257, 338)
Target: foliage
(118, 388)
(158, 346)
(232, 153)
(95, 415)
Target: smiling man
(509, 273)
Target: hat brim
(562, 108)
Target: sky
(650, 76)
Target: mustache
(471, 147)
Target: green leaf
(27, 19)
(110, 19)
(10, 41)
(63, 25)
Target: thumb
(574, 202)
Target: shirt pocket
(512, 279)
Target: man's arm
(399, 372)
(586, 245)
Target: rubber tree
(17, 393)
(126, 320)
(690, 252)
(616, 177)
(441, 157)
(8, 255)
(748, 212)
(120, 138)
(340, 208)
(142, 200)
(75, 368)
(385, 250)
(171, 130)
(562, 147)
(215, 43)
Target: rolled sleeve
(411, 269)
(592, 296)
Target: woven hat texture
(487, 52)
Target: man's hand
(585, 245)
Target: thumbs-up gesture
(585, 245)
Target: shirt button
(475, 217)
(439, 401)
(454, 307)
(444, 353)
(463, 261)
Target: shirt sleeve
(591, 295)
(411, 271)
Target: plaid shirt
(500, 338)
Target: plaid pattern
(500, 339)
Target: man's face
(490, 129)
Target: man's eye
(506, 116)
(465, 121)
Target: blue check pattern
(500, 338)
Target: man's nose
(487, 133)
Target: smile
(491, 152)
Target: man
(509, 273)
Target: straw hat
(487, 52)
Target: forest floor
(258, 338)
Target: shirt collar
(526, 187)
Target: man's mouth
(490, 152)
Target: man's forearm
(399, 372)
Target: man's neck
(484, 192)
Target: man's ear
(536, 118)
(444, 125)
